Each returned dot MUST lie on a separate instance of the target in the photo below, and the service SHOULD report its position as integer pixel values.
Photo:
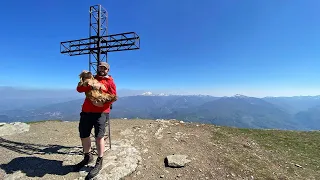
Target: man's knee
(84, 139)
(98, 139)
(84, 135)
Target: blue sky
(212, 47)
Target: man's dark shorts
(90, 120)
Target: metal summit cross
(100, 43)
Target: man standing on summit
(95, 115)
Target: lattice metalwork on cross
(99, 42)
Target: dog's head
(84, 75)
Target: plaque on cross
(99, 43)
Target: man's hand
(103, 87)
(90, 83)
(97, 86)
(94, 85)
(98, 104)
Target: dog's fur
(95, 95)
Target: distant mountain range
(294, 113)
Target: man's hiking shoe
(88, 158)
(95, 171)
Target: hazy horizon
(71, 92)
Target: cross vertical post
(98, 28)
(100, 43)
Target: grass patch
(300, 147)
(270, 154)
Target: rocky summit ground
(46, 150)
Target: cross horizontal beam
(110, 43)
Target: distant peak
(148, 93)
(240, 96)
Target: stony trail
(46, 150)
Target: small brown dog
(95, 95)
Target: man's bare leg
(99, 133)
(98, 166)
(100, 146)
(86, 144)
(88, 158)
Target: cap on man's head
(104, 64)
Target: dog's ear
(90, 74)
(83, 73)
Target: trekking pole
(109, 128)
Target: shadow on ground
(36, 167)
(31, 149)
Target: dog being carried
(96, 93)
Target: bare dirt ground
(48, 149)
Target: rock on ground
(119, 162)
(177, 160)
(13, 128)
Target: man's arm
(113, 88)
(110, 88)
(82, 89)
